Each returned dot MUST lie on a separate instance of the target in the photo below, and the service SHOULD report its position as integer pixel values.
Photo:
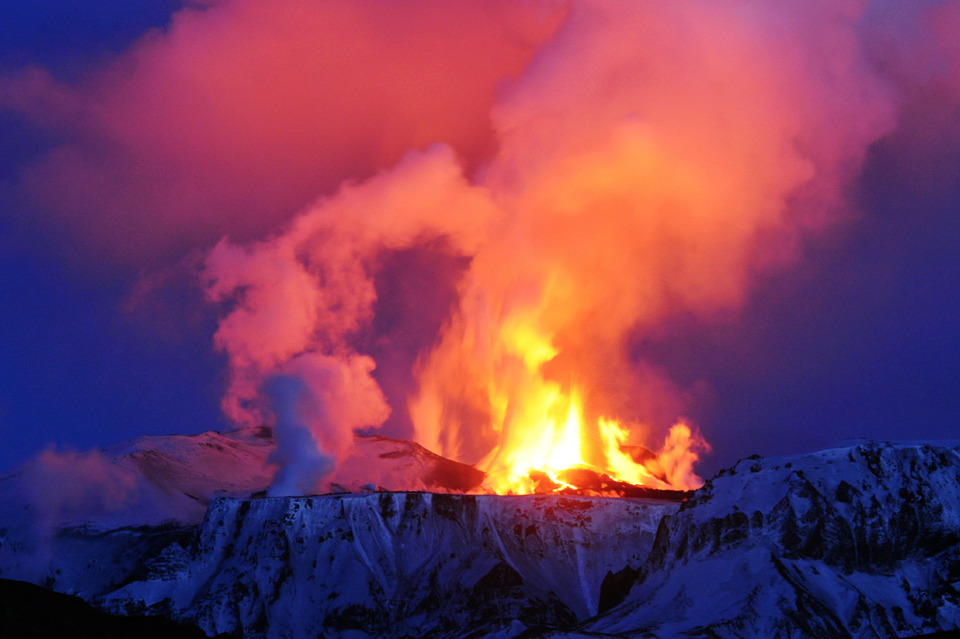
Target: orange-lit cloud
(650, 160)
(241, 113)
(593, 168)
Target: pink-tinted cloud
(298, 298)
(651, 160)
(240, 113)
(591, 171)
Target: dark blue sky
(75, 369)
(859, 339)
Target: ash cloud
(628, 184)
(600, 167)
(652, 161)
(240, 113)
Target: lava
(547, 453)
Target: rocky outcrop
(858, 541)
(394, 564)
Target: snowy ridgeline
(861, 540)
(394, 564)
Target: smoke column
(651, 159)
(592, 170)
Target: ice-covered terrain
(862, 540)
(83, 522)
(163, 479)
(396, 564)
(146, 481)
(859, 541)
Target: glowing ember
(547, 454)
(548, 441)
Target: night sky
(106, 334)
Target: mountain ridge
(860, 540)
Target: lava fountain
(543, 440)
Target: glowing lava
(544, 436)
(549, 442)
(544, 452)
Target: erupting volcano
(528, 368)
(538, 429)
(449, 298)
(612, 203)
(548, 451)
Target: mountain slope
(396, 563)
(858, 541)
(91, 504)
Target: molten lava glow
(542, 430)
(623, 466)
(547, 440)
(549, 443)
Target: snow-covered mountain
(858, 541)
(98, 505)
(394, 564)
(147, 481)
(861, 540)
(164, 480)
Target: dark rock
(31, 612)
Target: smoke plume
(650, 161)
(593, 169)
(241, 112)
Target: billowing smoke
(242, 112)
(650, 161)
(594, 170)
(299, 297)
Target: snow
(820, 560)
(859, 540)
(396, 551)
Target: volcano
(861, 540)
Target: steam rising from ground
(600, 166)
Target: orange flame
(543, 431)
